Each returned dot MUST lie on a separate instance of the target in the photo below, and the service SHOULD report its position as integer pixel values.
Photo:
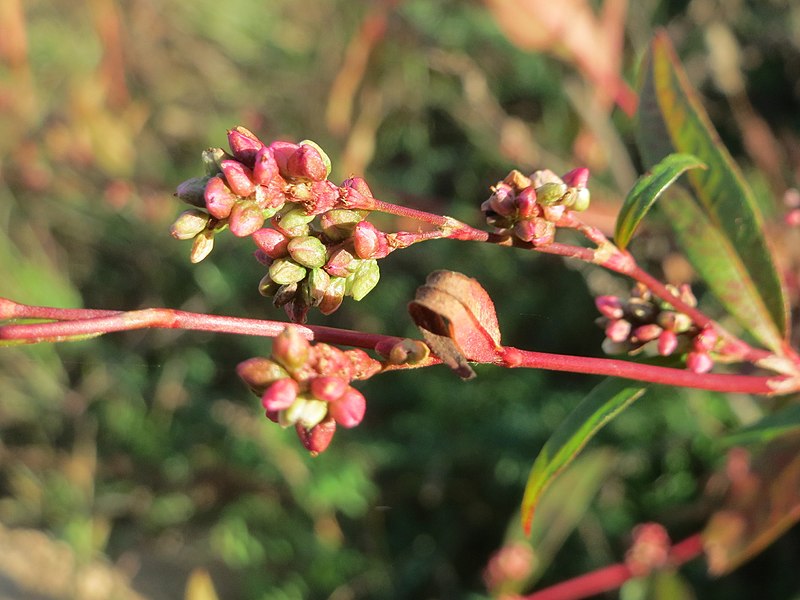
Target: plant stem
(612, 577)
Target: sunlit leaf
(783, 422)
(602, 404)
(671, 119)
(647, 190)
(763, 502)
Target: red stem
(612, 577)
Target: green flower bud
(364, 279)
(308, 251)
(259, 373)
(285, 270)
(315, 286)
(189, 224)
(202, 246)
(582, 199)
(339, 224)
(294, 222)
(267, 287)
(550, 193)
(212, 159)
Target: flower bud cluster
(311, 234)
(308, 387)
(643, 322)
(529, 207)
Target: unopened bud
(265, 168)
(348, 410)
(202, 246)
(550, 193)
(609, 306)
(539, 178)
(706, 339)
(308, 251)
(553, 212)
(674, 321)
(219, 198)
(282, 151)
(325, 158)
(618, 330)
(189, 224)
(369, 242)
(527, 206)
(244, 144)
(192, 191)
(259, 373)
(359, 184)
(333, 296)
(686, 294)
(339, 224)
(212, 157)
(280, 395)
(646, 333)
(365, 278)
(328, 388)
(246, 218)
(641, 310)
(502, 200)
(577, 178)
(318, 438)
(516, 180)
(306, 163)
(290, 348)
(238, 177)
(293, 222)
(285, 271)
(699, 362)
(537, 231)
(341, 263)
(272, 242)
(314, 286)
(581, 199)
(667, 343)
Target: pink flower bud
(318, 438)
(259, 372)
(340, 264)
(244, 144)
(646, 333)
(502, 200)
(553, 213)
(265, 168)
(699, 362)
(618, 330)
(272, 242)
(282, 151)
(246, 218)
(306, 163)
(706, 340)
(353, 199)
(527, 206)
(667, 342)
(358, 184)
(369, 242)
(280, 395)
(219, 198)
(609, 306)
(328, 389)
(576, 178)
(348, 411)
(239, 177)
(537, 231)
(291, 349)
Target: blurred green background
(146, 458)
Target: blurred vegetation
(144, 450)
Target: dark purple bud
(244, 144)
(192, 191)
(219, 198)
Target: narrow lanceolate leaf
(647, 190)
(602, 404)
(783, 422)
(717, 260)
(671, 119)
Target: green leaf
(671, 119)
(714, 256)
(647, 190)
(602, 404)
(770, 427)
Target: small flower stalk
(530, 207)
(308, 387)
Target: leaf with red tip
(457, 320)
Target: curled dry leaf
(457, 320)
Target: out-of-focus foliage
(145, 450)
